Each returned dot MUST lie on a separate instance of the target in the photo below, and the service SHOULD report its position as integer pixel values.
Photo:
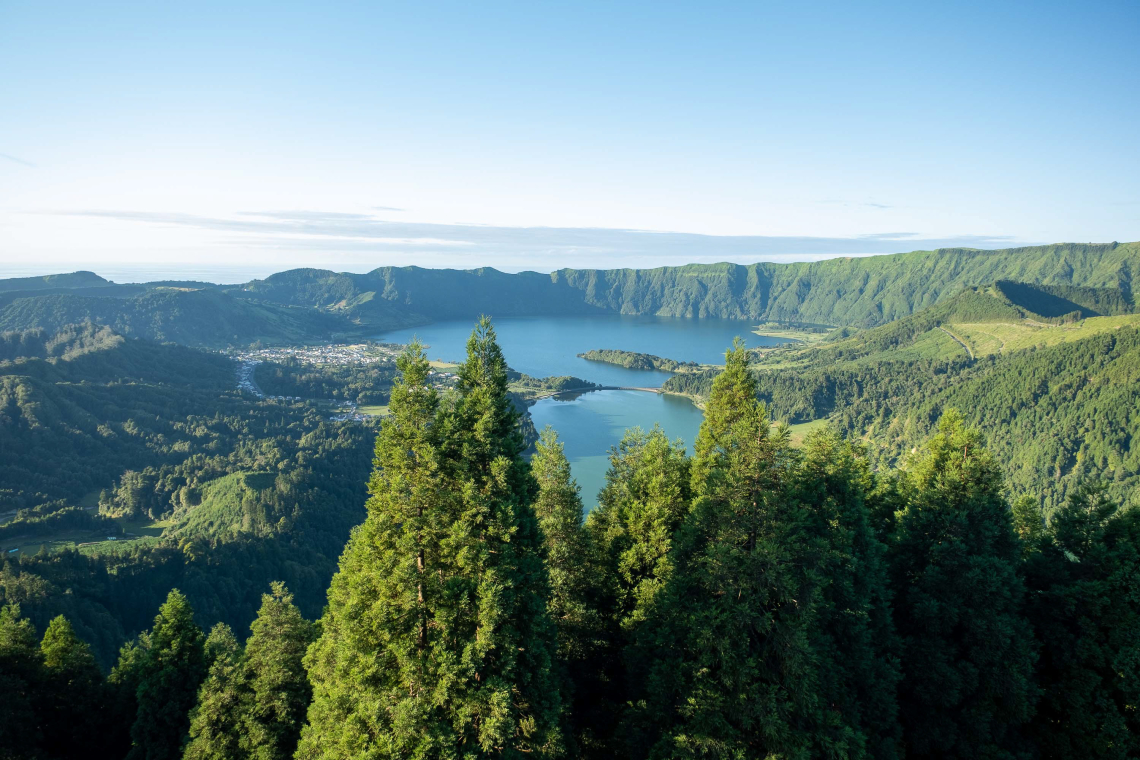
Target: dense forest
(938, 557)
(753, 600)
(204, 316)
(1057, 396)
(148, 456)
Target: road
(959, 341)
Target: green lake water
(589, 424)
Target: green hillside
(848, 291)
(71, 280)
(191, 317)
(1068, 281)
(103, 435)
(1021, 376)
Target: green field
(375, 410)
(800, 430)
(798, 334)
(1002, 337)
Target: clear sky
(260, 136)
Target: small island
(635, 360)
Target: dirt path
(960, 342)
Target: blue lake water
(589, 424)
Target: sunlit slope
(847, 292)
(999, 337)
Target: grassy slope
(225, 508)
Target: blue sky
(535, 136)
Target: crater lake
(590, 423)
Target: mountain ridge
(861, 292)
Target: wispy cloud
(14, 159)
(543, 248)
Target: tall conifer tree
(583, 648)
(279, 690)
(1083, 573)
(968, 651)
(645, 499)
(215, 722)
(172, 668)
(381, 669)
(734, 674)
(73, 709)
(853, 636)
(436, 641)
(123, 686)
(21, 680)
(512, 698)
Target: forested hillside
(839, 292)
(192, 317)
(753, 600)
(309, 305)
(779, 593)
(1056, 395)
(70, 280)
(201, 487)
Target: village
(331, 354)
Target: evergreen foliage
(1084, 602)
(734, 674)
(756, 600)
(21, 676)
(853, 636)
(172, 668)
(967, 649)
(645, 499)
(215, 722)
(574, 569)
(123, 683)
(279, 691)
(436, 640)
(72, 694)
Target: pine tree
(73, 693)
(436, 641)
(734, 672)
(583, 648)
(171, 671)
(122, 702)
(279, 691)
(1085, 607)
(216, 729)
(968, 651)
(21, 679)
(644, 501)
(853, 636)
(512, 700)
